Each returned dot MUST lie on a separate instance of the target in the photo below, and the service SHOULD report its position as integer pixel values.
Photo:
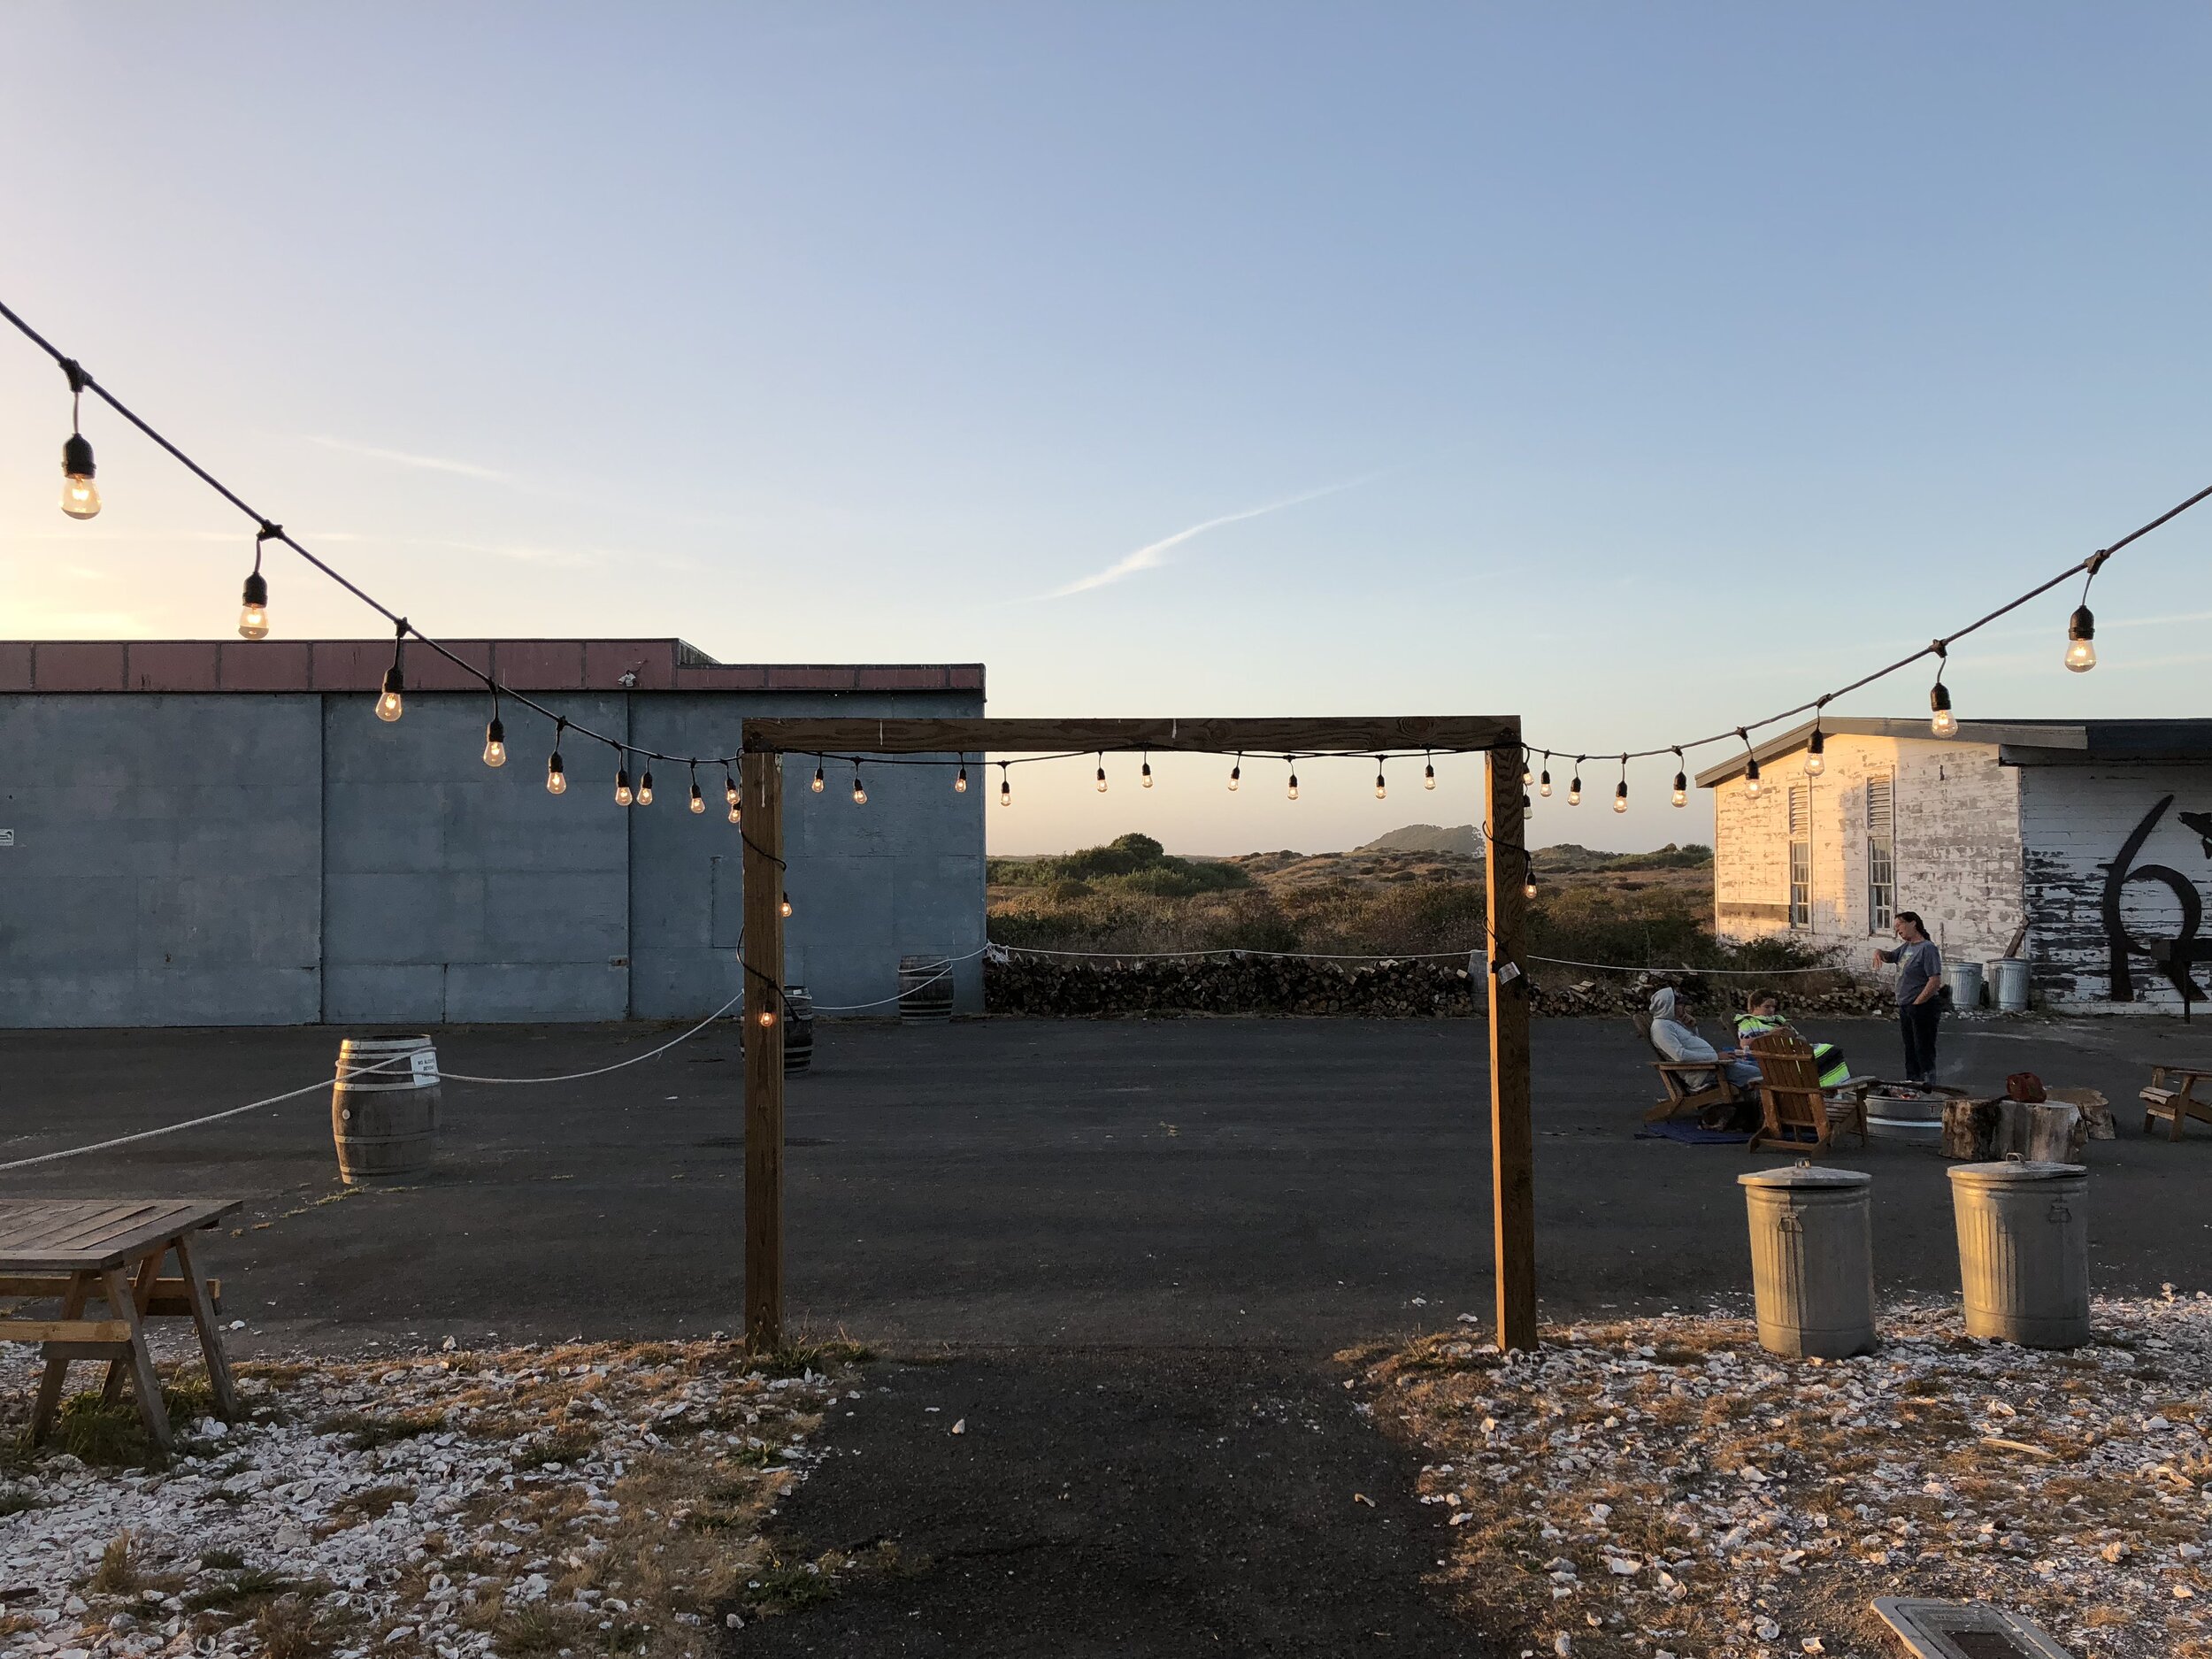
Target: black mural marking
(2201, 822)
(2119, 873)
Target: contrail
(1153, 555)
(429, 463)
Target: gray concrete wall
(166, 863)
(184, 859)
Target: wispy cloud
(1153, 555)
(401, 458)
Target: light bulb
(253, 616)
(1543, 783)
(80, 495)
(2081, 631)
(1382, 789)
(1815, 762)
(645, 790)
(698, 800)
(1144, 776)
(1528, 888)
(555, 779)
(1005, 791)
(1527, 777)
(1751, 778)
(1944, 724)
(623, 795)
(860, 791)
(389, 703)
(1101, 780)
(818, 780)
(787, 904)
(1235, 773)
(1574, 792)
(1528, 809)
(729, 791)
(1428, 777)
(1681, 796)
(737, 813)
(1620, 797)
(767, 1018)
(495, 744)
(1293, 786)
(960, 784)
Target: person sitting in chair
(1763, 1013)
(1678, 1040)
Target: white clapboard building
(2096, 835)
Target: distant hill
(1428, 838)
(1567, 856)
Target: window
(1801, 855)
(1881, 853)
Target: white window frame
(1881, 852)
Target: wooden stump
(1982, 1131)
(1970, 1130)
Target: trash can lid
(2012, 1170)
(1803, 1174)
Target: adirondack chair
(1792, 1100)
(1678, 1078)
(2172, 1095)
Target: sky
(1636, 370)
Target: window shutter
(1881, 807)
(1800, 812)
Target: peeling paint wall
(2077, 821)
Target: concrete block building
(2096, 835)
(222, 833)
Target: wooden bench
(1675, 1077)
(80, 1249)
(2171, 1094)
(1791, 1099)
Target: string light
(555, 774)
(767, 1018)
(698, 800)
(737, 812)
(1527, 777)
(1681, 796)
(960, 784)
(817, 777)
(860, 790)
(391, 703)
(2081, 627)
(1293, 779)
(1620, 789)
(1528, 884)
(1574, 785)
(645, 788)
(1144, 773)
(1543, 780)
(253, 612)
(1528, 807)
(786, 905)
(494, 738)
(80, 495)
(1942, 721)
(1005, 788)
(729, 791)
(1101, 774)
(623, 793)
(1236, 771)
(1381, 789)
(1816, 753)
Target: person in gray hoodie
(1678, 1040)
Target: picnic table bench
(2172, 1095)
(81, 1248)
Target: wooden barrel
(384, 1108)
(925, 989)
(798, 1029)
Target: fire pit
(1909, 1112)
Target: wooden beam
(761, 790)
(113, 1332)
(1512, 1137)
(1359, 735)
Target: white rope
(571, 1077)
(943, 972)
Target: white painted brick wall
(2075, 820)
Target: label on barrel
(424, 1064)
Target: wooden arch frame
(1505, 860)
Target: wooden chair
(1676, 1076)
(2172, 1095)
(1791, 1098)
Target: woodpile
(1426, 989)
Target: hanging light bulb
(390, 703)
(80, 495)
(737, 813)
(729, 790)
(1293, 786)
(698, 800)
(767, 1018)
(860, 790)
(1005, 787)
(495, 740)
(645, 790)
(1528, 886)
(1101, 774)
(1144, 772)
(1382, 789)
(1528, 808)
(623, 793)
(1236, 772)
(1751, 776)
(1681, 796)
(786, 905)
(1543, 780)
(1574, 784)
(818, 780)
(556, 775)
(960, 783)
(1620, 789)
(1942, 721)
(1528, 778)
(1816, 753)
(2081, 633)
(253, 613)
(1428, 774)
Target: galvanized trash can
(1812, 1259)
(384, 1108)
(2024, 1250)
(2008, 985)
(1964, 979)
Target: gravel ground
(530, 1501)
(1664, 1486)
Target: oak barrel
(384, 1108)
(925, 989)
(798, 1029)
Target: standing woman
(1919, 993)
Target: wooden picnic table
(81, 1248)
(2172, 1095)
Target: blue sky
(1639, 370)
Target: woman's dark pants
(1917, 1020)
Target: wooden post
(760, 785)
(1512, 1139)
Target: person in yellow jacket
(1763, 1013)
